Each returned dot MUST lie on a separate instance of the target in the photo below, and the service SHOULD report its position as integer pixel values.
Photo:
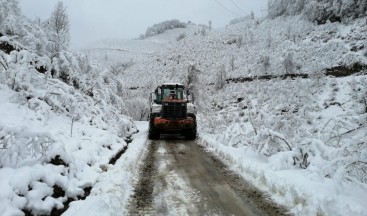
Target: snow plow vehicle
(171, 112)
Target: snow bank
(304, 192)
(113, 188)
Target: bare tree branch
(289, 146)
(354, 129)
(355, 162)
(3, 63)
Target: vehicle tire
(153, 135)
(191, 134)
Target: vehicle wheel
(191, 134)
(153, 135)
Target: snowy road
(180, 178)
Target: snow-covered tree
(288, 63)
(252, 15)
(239, 41)
(192, 78)
(220, 77)
(231, 63)
(162, 27)
(265, 61)
(59, 27)
(9, 17)
(203, 31)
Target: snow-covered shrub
(18, 144)
(137, 103)
(181, 36)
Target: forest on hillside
(319, 11)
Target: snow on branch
(281, 137)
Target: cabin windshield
(167, 90)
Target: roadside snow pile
(303, 140)
(114, 187)
(304, 192)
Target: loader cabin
(169, 91)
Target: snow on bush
(314, 122)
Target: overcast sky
(92, 20)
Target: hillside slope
(59, 120)
(301, 139)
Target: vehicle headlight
(191, 108)
(156, 108)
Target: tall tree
(10, 17)
(59, 26)
(221, 77)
